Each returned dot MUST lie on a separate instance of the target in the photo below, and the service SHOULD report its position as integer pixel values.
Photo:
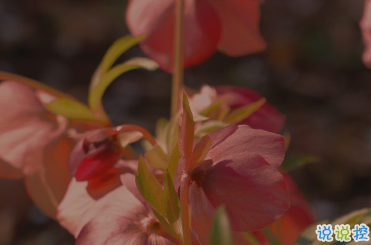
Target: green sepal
(172, 204)
(157, 158)
(221, 232)
(297, 161)
(149, 187)
(244, 112)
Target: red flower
(97, 151)
(231, 27)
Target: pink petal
(202, 216)
(201, 30)
(202, 100)
(253, 191)
(78, 207)
(233, 139)
(145, 16)
(202, 212)
(25, 127)
(123, 221)
(266, 117)
(240, 26)
(117, 218)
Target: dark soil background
(312, 71)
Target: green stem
(270, 236)
(184, 208)
(178, 55)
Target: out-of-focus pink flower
(97, 151)
(231, 27)
(120, 217)
(26, 127)
(365, 25)
(238, 171)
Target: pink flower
(26, 127)
(30, 138)
(235, 166)
(120, 217)
(267, 117)
(231, 27)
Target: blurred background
(312, 71)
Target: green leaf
(174, 162)
(297, 161)
(221, 233)
(186, 129)
(157, 158)
(149, 187)
(166, 224)
(309, 236)
(244, 112)
(71, 109)
(270, 236)
(250, 238)
(352, 218)
(172, 133)
(212, 107)
(172, 204)
(208, 127)
(116, 49)
(96, 93)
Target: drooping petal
(234, 139)
(253, 192)
(202, 216)
(102, 184)
(48, 186)
(266, 117)
(240, 26)
(293, 222)
(201, 30)
(25, 127)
